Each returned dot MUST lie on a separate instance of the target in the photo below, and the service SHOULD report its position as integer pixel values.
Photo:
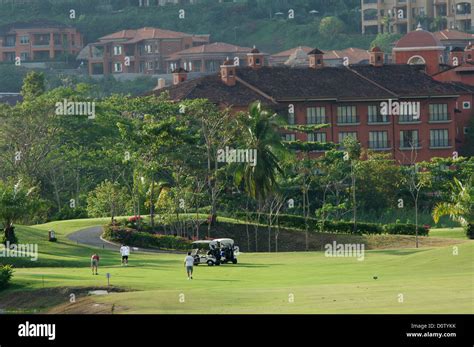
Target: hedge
(284, 220)
(348, 227)
(404, 229)
(135, 238)
(6, 273)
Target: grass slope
(432, 280)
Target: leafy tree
(385, 40)
(33, 85)
(331, 26)
(333, 178)
(217, 130)
(378, 180)
(108, 199)
(16, 202)
(460, 206)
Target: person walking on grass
(125, 252)
(95, 263)
(188, 263)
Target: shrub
(470, 231)
(67, 213)
(284, 220)
(348, 227)
(6, 273)
(405, 229)
(135, 238)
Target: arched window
(416, 60)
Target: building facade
(358, 100)
(38, 41)
(402, 16)
(208, 57)
(141, 51)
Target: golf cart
(228, 250)
(206, 252)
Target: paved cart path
(92, 237)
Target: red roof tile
(418, 38)
(216, 47)
(144, 33)
(450, 34)
(289, 52)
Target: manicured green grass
(451, 233)
(431, 280)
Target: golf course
(406, 280)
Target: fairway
(425, 280)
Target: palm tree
(460, 208)
(260, 133)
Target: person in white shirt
(125, 252)
(188, 263)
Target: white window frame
(117, 50)
(316, 115)
(115, 67)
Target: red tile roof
(289, 52)
(450, 34)
(418, 38)
(216, 47)
(355, 55)
(135, 35)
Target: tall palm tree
(260, 133)
(460, 207)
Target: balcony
(409, 119)
(40, 44)
(440, 118)
(379, 145)
(378, 119)
(348, 120)
(441, 144)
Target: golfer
(125, 252)
(189, 262)
(95, 263)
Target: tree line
(150, 156)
